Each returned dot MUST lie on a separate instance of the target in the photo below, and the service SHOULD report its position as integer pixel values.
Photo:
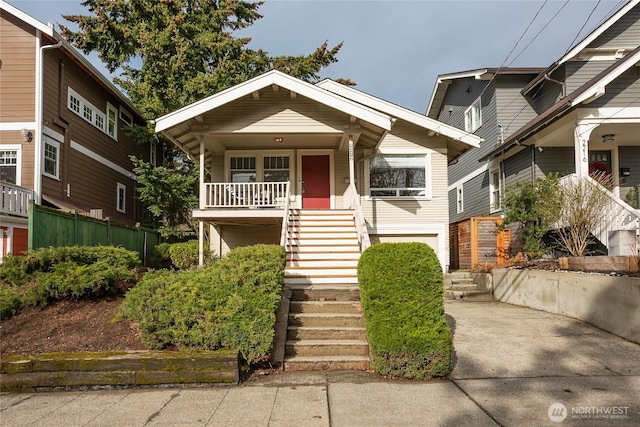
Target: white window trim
(95, 112)
(460, 199)
(259, 155)
(492, 207)
(126, 116)
(121, 187)
(476, 120)
(111, 108)
(18, 149)
(56, 144)
(428, 182)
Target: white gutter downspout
(38, 145)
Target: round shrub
(231, 304)
(403, 303)
(186, 255)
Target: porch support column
(202, 199)
(351, 162)
(581, 148)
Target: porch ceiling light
(608, 137)
(279, 139)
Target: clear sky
(396, 49)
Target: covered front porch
(270, 145)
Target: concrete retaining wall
(29, 373)
(608, 302)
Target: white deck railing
(246, 195)
(352, 200)
(15, 199)
(617, 215)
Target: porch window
(473, 117)
(398, 176)
(276, 169)
(243, 169)
(9, 166)
(495, 189)
(51, 158)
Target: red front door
(316, 191)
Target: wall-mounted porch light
(279, 139)
(27, 136)
(607, 138)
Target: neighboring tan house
(275, 148)
(62, 132)
(579, 114)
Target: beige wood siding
(429, 239)
(232, 236)
(18, 74)
(408, 139)
(277, 112)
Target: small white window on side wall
(121, 198)
(495, 188)
(51, 158)
(473, 116)
(460, 199)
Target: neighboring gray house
(579, 114)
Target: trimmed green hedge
(49, 274)
(180, 256)
(403, 303)
(231, 304)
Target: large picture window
(398, 176)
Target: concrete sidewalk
(511, 365)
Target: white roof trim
(598, 88)
(46, 29)
(285, 81)
(401, 113)
(598, 31)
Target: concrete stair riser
(347, 307)
(344, 293)
(327, 363)
(347, 271)
(327, 348)
(326, 320)
(325, 333)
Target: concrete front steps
(460, 285)
(325, 325)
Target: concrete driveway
(513, 366)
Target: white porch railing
(246, 195)
(352, 201)
(15, 199)
(618, 215)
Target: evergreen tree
(172, 53)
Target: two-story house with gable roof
(62, 132)
(580, 114)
